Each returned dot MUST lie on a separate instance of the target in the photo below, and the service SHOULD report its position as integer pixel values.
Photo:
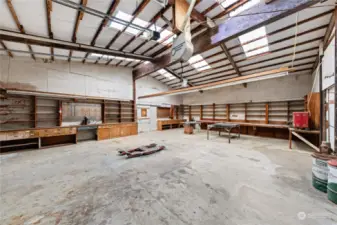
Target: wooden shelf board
(18, 145)
(51, 106)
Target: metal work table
(227, 127)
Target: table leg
(207, 133)
(290, 140)
(229, 135)
(239, 131)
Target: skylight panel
(154, 27)
(127, 59)
(101, 56)
(259, 32)
(257, 51)
(227, 3)
(255, 44)
(195, 59)
(199, 63)
(166, 74)
(162, 71)
(130, 29)
(138, 22)
(169, 40)
(96, 55)
(123, 16)
(249, 45)
(244, 7)
(164, 34)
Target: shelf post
(228, 111)
(120, 111)
(267, 113)
(60, 112)
(35, 111)
(213, 111)
(134, 96)
(103, 111)
(245, 112)
(288, 111)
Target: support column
(335, 82)
(35, 111)
(103, 111)
(267, 113)
(228, 111)
(213, 111)
(134, 98)
(321, 95)
(60, 112)
(246, 112)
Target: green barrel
(320, 171)
(332, 181)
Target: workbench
(314, 132)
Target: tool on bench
(141, 151)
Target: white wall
(63, 77)
(328, 65)
(330, 99)
(282, 88)
(148, 85)
(328, 69)
(328, 72)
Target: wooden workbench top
(280, 126)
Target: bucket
(332, 181)
(320, 171)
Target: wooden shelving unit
(17, 112)
(260, 112)
(112, 112)
(19, 144)
(186, 111)
(126, 111)
(220, 111)
(195, 111)
(35, 121)
(256, 112)
(237, 112)
(46, 112)
(207, 112)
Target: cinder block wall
(148, 85)
(283, 88)
(63, 77)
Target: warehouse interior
(168, 112)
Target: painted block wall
(328, 69)
(150, 122)
(148, 85)
(282, 88)
(83, 79)
(63, 77)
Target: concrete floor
(253, 181)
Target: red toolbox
(301, 119)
